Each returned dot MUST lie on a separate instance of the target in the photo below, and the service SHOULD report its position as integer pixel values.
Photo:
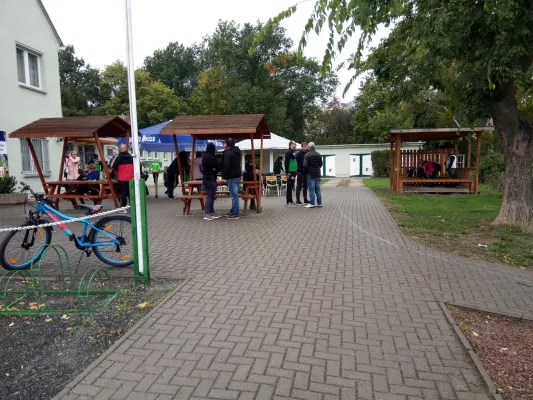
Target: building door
(328, 166)
(361, 165)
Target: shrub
(7, 184)
(381, 163)
(491, 168)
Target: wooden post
(469, 153)
(255, 175)
(37, 165)
(180, 169)
(106, 169)
(399, 187)
(260, 187)
(62, 166)
(478, 150)
(392, 187)
(456, 146)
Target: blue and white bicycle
(110, 238)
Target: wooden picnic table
(99, 186)
(187, 198)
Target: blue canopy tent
(151, 140)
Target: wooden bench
(436, 181)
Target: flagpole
(134, 134)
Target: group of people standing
(303, 169)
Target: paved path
(329, 303)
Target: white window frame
(28, 159)
(27, 51)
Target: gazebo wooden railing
(405, 163)
(92, 128)
(220, 127)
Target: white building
(29, 84)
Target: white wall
(23, 22)
(342, 154)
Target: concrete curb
(471, 353)
(104, 355)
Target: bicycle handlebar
(26, 188)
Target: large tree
(478, 52)
(333, 124)
(156, 103)
(80, 85)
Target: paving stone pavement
(331, 303)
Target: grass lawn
(323, 180)
(457, 223)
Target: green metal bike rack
(26, 293)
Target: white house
(29, 84)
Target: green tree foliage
(333, 124)
(80, 85)
(155, 102)
(177, 66)
(268, 80)
(478, 53)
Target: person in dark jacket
(172, 178)
(248, 176)
(301, 184)
(313, 165)
(124, 166)
(291, 168)
(210, 171)
(232, 173)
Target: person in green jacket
(155, 169)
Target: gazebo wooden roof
(238, 127)
(74, 127)
(416, 135)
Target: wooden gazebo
(221, 127)
(404, 162)
(82, 129)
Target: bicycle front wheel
(113, 240)
(20, 249)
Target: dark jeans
(233, 186)
(211, 188)
(124, 187)
(452, 173)
(170, 184)
(301, 186)
(290, 187)
(314, 190)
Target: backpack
(293, 165)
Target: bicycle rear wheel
(20, 249)
(109, 230)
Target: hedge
(381, 163)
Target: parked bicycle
(110, 238)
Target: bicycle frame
(53, 214)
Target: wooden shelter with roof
(405, 163)
(220, 127)
(94, 129)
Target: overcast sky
(96, 28)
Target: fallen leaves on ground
(144, 304)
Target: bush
(381, 163)
(7, 184)
(491, 168)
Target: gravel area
(39, 355)
(505, 347)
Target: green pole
(144, 278)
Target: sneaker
(233, 217)
(228, 214)
(299, 203)
(309, 206)
(291, 205)
(319, 205)
(306, 201)
(215, 216)
(209, 218)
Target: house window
(29, 67)
(461, 161)
(109, 152)
(41, 151)
(165, 156)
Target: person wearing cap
(313, 166)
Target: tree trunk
(516, 132)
